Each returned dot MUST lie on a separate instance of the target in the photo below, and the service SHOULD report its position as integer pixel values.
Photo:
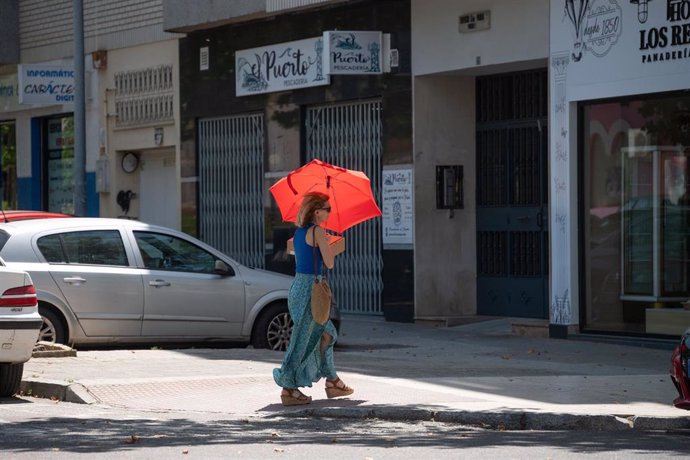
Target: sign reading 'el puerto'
(282, 67)
(46, 84)
(353, 52)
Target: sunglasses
(328, 209)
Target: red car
(679, 372)
(14, 215)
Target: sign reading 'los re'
(46, 84)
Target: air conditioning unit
(472, 22)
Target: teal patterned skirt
(303, 363)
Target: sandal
(294, 397)
(336, 388)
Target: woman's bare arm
(326, 251)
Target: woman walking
(309, 355)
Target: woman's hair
(310, 203)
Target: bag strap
(313, 241)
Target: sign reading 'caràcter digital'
(281, 67)
(46, 84)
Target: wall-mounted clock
(130, 162)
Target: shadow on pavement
(136, 435)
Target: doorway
(158, 181)
(512, 191)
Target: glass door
(655, 220)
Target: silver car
(105, 281)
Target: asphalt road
(32, 428)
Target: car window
(4, 236)
(167, 252)
(92, 247)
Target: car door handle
(159, 283)
(74, 280)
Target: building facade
(481, 128)
(620, 117)
(131, 109)
(569, 122)
(257, 101)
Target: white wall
(519, 32)
(445, 247)
(606, 59)
(139, 139)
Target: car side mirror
(222, 269)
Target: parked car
(15, 215)
(679, 371)
(105, 281)
(19, 326)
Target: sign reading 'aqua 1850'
(282, 67)
(46, 84)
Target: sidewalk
(479, 374)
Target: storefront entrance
(512, 188)
(231, 168)
(8, 165)
(349, 135)
(636, 214)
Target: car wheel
(10, 379)
(273, 328)
(52, 330)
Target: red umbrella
(351, 198)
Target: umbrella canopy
(349, 191)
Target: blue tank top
(304, 254)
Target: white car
(20, 324)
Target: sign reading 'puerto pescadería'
(46, 84)
(281, 67)
(353, 52)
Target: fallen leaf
(275, 435)
(278, 449)
(185, 452)
(132, 439)
(334, 440)
(501, 427)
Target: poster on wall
(282, 67)
(629, 45)
(397, 207)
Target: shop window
(8, 165)
(59, 164)
(637, 211)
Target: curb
(59, 391)
(500, 421)
(509, 421)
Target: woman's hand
(326, 251)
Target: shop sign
(9, 97)
(669, 40)
(397, 206)
(658, 29)
(645, 44)
(282, 67)
(353, 52)
(46, 84)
